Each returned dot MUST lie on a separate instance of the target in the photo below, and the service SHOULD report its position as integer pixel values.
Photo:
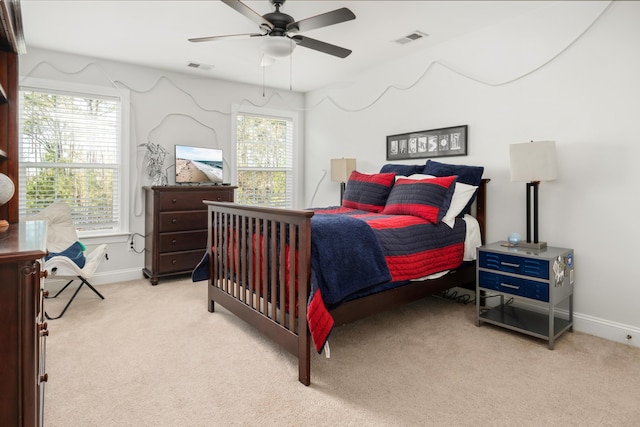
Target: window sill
(97, 239)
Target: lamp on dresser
(533, 162)
(340, 171)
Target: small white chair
(61, 267)
(61, 234)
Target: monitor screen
(196, 165)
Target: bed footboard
(260, 267)
(260, 264)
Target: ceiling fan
(281, 30)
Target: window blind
(69, 151)
(264, 160)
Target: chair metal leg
(83, 282)
(60, 291)
(92, 288)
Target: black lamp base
(532, 243)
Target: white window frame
(76, 89)
(296, 182)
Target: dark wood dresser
(176, 227)
(23, 330)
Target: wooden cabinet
(11, 45)
(176, 227)
(23, 330)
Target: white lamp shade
(7, 189)
(533, 161)
(277, 46)
(341, 169)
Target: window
(264, 159)
(70, 149)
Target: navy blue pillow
(404, 170)
(471, 175)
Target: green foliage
(264, 156)
(66, 163)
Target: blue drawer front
(514, 285)
(515, 264)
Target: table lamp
(340, 171)
(533, 162)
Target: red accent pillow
(425, 198)
(367, 192)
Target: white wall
(567, 73)
(165, 108)
(534, 78)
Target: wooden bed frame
(260, 302)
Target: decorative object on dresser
(23, 329)
(533, 162)
(340, 171)
(176, 227)
(257, 256)
(535, 281)
(7, 190)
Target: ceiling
(155, 33)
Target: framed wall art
(451, 141)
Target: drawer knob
(45, 294)
(174, 241)
(44, 274)
(173, 261)
(173, 221)
(43, 326)
(44, 333)
(174, 200)
(44, 378)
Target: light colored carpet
(154, 356)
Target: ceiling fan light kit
(277, 46)
(276, 26)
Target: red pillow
(425, 198)
(367, 192)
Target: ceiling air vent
(416, 35)
(198, 66)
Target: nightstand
(530, 285)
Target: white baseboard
(613, 331)
(52, 284)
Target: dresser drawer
(182, 241)
(183, 221)
(514, 285)
(191, 200)
(514, 264)
(180, 261)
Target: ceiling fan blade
(324, 20)
(245, 10)
(227, 37)
(321, 46)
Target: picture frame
(444, 142)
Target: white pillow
(461, 196)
